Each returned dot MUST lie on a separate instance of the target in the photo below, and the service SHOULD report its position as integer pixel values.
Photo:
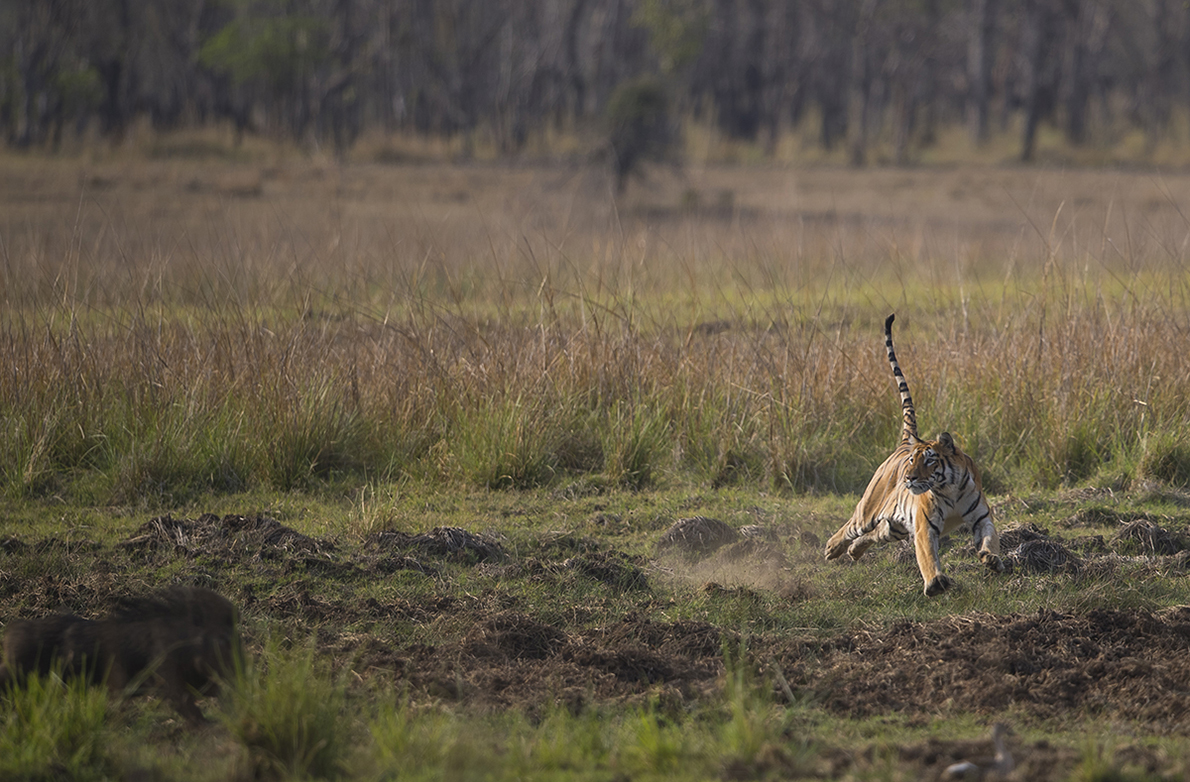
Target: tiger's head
(926, 466)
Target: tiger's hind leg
(856, 541)
(987, 543)
(978, 522)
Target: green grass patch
(50, 729)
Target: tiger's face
(925, 468)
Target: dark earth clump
(454, 542)
(1146, 536)
(697, 535)
(1014, 536)
(611, 568)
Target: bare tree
(981, 26)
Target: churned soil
(1127, 664)
(1124, 664)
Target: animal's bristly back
(908, 413)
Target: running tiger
(926, 488)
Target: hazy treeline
(855, 71)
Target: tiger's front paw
(938, 585)
(836, 546)
(993, 562)
(857, 549)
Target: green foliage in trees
(79, 87)
(677, 29)
(280, 52)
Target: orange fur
(924, 490)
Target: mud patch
(1126, 664)
(514, 636)
(511, 660)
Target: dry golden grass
(178, 325)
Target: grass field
(289, 381)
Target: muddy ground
(1118, 664)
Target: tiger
(925, 489)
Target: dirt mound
(1128, 665)
(758, 532)
(513, 660)
(231, 537)
(514, 636)
(1095, 516)
(392, 563)
(758, 549)
(1146, 536)
(1022, 533)
(696, 535)
(1033, 760)
(1043, 555)
(610, 568)
(1028, 548)
(453, 542)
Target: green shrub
(641, 127)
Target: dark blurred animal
(176, 643)
(924, 489)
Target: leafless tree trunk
(859, 92)
(1039, 41)
(981, 25)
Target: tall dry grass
(172, 329)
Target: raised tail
(908, 413)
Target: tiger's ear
(946, 441)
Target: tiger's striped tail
(908, 413)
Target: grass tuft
(287, 712)
(52, 730)
(1166, 458)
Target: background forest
(851, 73)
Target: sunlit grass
(269, 354)
(1039, 402)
